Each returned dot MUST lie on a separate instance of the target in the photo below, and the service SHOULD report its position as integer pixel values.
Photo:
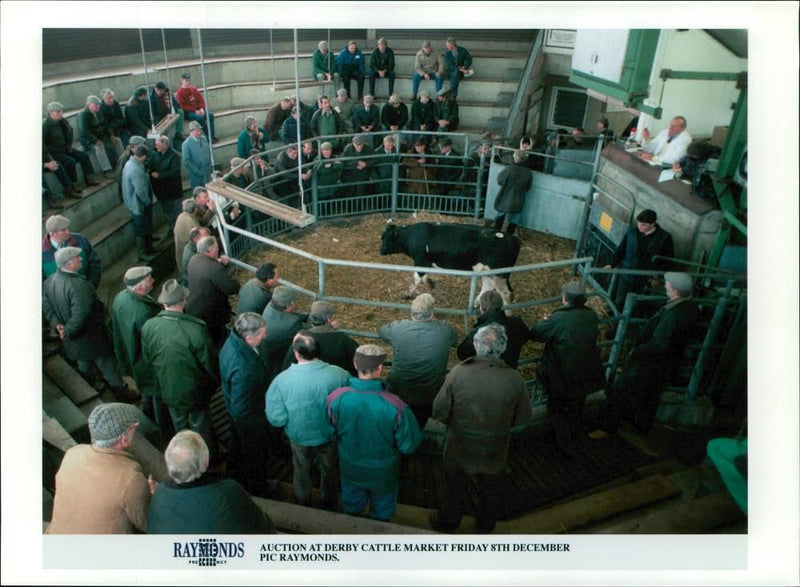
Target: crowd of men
(293, 377)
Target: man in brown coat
(480, 401)
(209, 288)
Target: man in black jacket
(165, 179)
(490, 304)
(381, 64)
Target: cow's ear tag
(499, 235)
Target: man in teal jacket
(184, 360)
(374, 428)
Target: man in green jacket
(132, 307)
(323, 64)
(184, 360)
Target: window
(567, 108)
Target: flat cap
(574, 288)
(283, 295)
(136, 140)
(322, 310)
(186, 76)
(194, 125)
(108, 422)
(368, 357)
(55, 107)
(55, 223)
(92, 100)
(136, 274)
(64, 255)
(172, 293)
(683, 282)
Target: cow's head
(390, 240)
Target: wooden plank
(262, 204)
(697, 516)
(596, 507)
(297, 519)
(164, 125)
(67, 379)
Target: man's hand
(224, 260)
(152, 483)
(361, 164)
(154, 175)
(646, 134)
(99, 144)
(61, 332)
(51, 165)
(647, 156)
(235, 211)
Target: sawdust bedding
(358, 239)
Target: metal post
(480, 183)
(619, 337)
(711, 335)
(146, 83)
(272, 59)
(299, 119)
(321, 276)
(166, 64)
(205, 96)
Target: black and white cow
(454, 246)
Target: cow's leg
(487, 283)
(415, 288)
(503, 286)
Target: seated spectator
(670, 145)
(358, 167)
(137, 113)
(297, 400)
(194, 106)
(428, 64)
(57, 140)
(344, 108)
(381, 65)
(450, 167)
(335, 347)
(163, 103)
(394, 114)
(251, 137)
(239, 173)
(193, 501)
(59, 236)
(490, 305)
(288, 132)
(287, 185)
(457, 63)
(95, 135)
(374, 428)
(55, 193)
(282, 324)
(420, 168)
(366, 116)
(256, 293)
(100, 488)
(112, 114)
(383, 166)
(326, 122)
(328, 172)
(350, 63)
(421, 348)
(445, 111)
(422, 117)
(323, 65)
(276, 116)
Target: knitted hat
(172, 293)
(683, 282)
(136, 274)
(64, 255)
(55, 223)
(321, 311)
(108, 422)
(283, 295)
(368, 358)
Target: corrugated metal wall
(62, 45)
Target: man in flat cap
(165, 177)
(323, 65)
(132, 307)
(95, 134)
(571, 367)
(637, 251)
(134, 142)
(255, 294)
(335, 347)
(137, 113)
(57, 140)
(59, 236)
(445, 111)
(196, 234)
(210, 284)
(194, 501)
(100, 488)
(359, 167)
(137, 195)
(73, 309)
(184, 360)
(490, 306)
(296, 399)
(282, 324)
(653, 361)
(196, 156)
(373, 428)
(191, 101)
(480, 401)
(450, 166)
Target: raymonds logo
(207, 552)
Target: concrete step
(54, 433)
(96, 202)
(73, 385)
(60, 407)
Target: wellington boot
(144, 251)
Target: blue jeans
(415, 81)
(455, 77)
(209, 130)
(355, 498)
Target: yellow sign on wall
(606, 222)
